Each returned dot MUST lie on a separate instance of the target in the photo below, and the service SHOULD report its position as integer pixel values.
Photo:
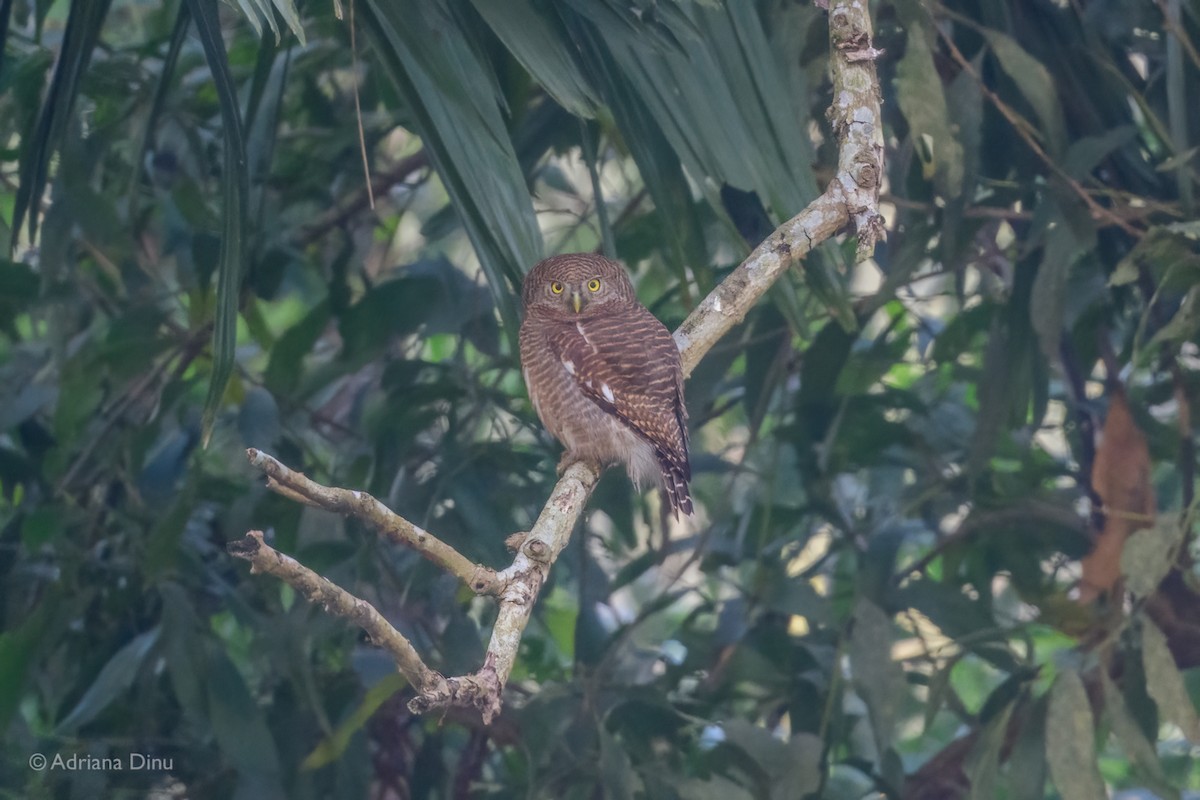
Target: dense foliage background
(897, 475)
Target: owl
(603, 373)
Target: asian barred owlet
(604, 374)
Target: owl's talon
(568, 458)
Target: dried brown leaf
(1121, 477)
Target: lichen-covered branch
(521, 581)
(856, 120)
(852, 198)
(336, 600)
(728, 304)
(362, 506)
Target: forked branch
(852, 197)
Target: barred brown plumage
(603, 373)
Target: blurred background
(896, 462)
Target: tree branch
(851, 197)
(522, 582)
(1021, 127)
(336, 600)
(362, 506)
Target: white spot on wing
(570, 365)
(607, 392)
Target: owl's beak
(576, 301)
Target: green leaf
(235, 182)
(1168, 253)
(287, 10)
(1085, 154)
(250, 8)
(714, 788)
(40, 526)
(793, 596)
(112, 683)
(868, 365)
(938, 689)
(1165, 684)
(1184, 324)
(183, 647)
(658, 31)
(1066, 242)
(681, 236)
(764, 102)
(1149, 554)
(260, 122)
(162, 88)
(802, 774)
(620, 781)
(1070, 740)
(923, 103)
(331, 747)
(18, 646)
(1133, 742)
(539, 42)
(1014, 374)
(965, 96)
(285, 367)
(728, 114)
(394, 308)
(877, 678)
(1035, 82)
(791, 768)
(79, 40)
(451, 93)
(1026, 771)
(559, 612)
(6, 7)
(256, 11)
(983, 764)
(1126, 272)
(240, 729)
(18, 288)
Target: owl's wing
(628, 365)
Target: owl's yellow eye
(594, 285)
(556, 287)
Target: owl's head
(577, 284)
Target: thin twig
(1175, 28)
(1019, 124)
(345, 211)
(999, 520)
(970, 212)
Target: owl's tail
(675, 492)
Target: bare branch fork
(851, 197)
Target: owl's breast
(573, 418)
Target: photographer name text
(76, 762)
